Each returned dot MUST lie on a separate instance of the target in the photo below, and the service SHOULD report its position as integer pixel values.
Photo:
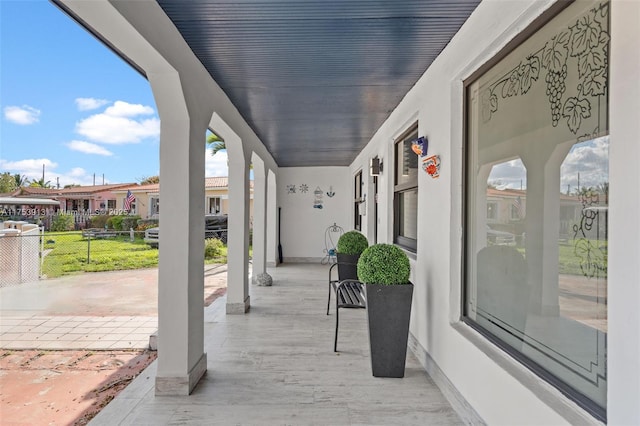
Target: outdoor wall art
(420, 146)
(318, 198)
(330, 192)
(431, 165)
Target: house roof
(150, 187)
(492, 192)
(66, 192)
(217, 182)
(522, 193)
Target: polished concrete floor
(275, 366)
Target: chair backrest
(503, 290)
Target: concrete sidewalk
(99, 310)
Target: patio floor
(276, 365)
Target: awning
(28, 201)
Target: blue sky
(70, 103)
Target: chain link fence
(28, 253)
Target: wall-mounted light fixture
(375, 168)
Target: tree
(21, 180)
(71, 185)
(41, 183)
(215, 143)
(149, 180)
(7, 183)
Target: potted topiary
(385, 269)
(350, 245)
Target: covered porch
(305, 95)
(277, 366)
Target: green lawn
(69, 253)
(581, 257)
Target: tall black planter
(348, 266)
(388, 311)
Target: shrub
(213, 248)
(144, 224)
(62, 222)
(130, 222)
(115, 222)
(384, 264)
(99, 220)
(352, 242)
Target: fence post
(41, 251)
(88, 247)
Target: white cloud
(87, 104)
(77, 172)
(216, 165)
(509, 174)
(125, 109)
(586, 163)
(88, 148)
(23, 115)
(118, 125)
(32, 168)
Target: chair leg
(335, 341)
(329, 298)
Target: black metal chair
(349, 294)
(345, 271)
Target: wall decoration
(572, 63)
(291, 189)
(317, 198)
(431, 165)
(420, 146)
(304, 188)
(330, 193)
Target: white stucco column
(260, 190)
(238, 244)
(543, 225)
(623, 291)
(181, 357)
(272, 220)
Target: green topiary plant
(352, 243)
(384, 264)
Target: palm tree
(41, 183)
(21, 180)
(215, 143)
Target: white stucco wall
(500, 390)
(303, 226)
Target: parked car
(503, 238)
(215, 226)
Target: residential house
(80, 199)
(147, 198)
